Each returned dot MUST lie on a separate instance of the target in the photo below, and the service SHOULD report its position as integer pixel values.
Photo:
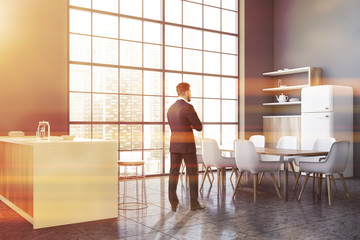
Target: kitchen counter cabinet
(57, 182)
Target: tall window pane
(80, 48)
(192, 38)
(192, 60)
(192, 14)
(152, 9)
(105, 50)
(212, 18)
(173, 10)
(80, 21)
(105, 107)
(106, 5)
(130, 54)
(80, 78)
(130, 29)
(105, 79)
(229, 21)
(105, 25)
(131, 7)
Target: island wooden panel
(16, 175)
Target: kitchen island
(57, 182)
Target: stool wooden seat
(130, 163)
(135, 203)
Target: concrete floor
(223, 218)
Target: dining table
(285, 156)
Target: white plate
(67, 137)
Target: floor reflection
(223, 217)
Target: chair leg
(328, 188)
(320, 185)
(345, 188)
(207, 170)
(314, 178)
(212, 174)
(218, 177)
(293, 169)
(303, 187)
(297, 181)
(232, 172)
(261, 177)
(237, 183)
(247, 176)
(333, 179)
(255, 185)
(279, 178)
(275, 184)
(204, 177)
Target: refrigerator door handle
(323, 108)
(324, 116)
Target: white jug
(282, 98)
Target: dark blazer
(182, 120)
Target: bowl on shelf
(294, 100)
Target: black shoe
(197, 206)
(174, 207)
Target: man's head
(183, 90)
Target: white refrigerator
(327, 111)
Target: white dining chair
(285, 142)
(212, 158)
(335, 162)
(320, 144)
(247, 159)
(200, 161)
(258, 140)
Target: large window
(126, 58)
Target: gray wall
(259, 47)
(326, 34)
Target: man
(182, 120)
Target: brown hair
(181, 88)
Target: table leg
(286, 172)
(223, 175)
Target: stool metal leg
(138, 203)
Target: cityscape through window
(126, 58)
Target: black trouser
(191, 171)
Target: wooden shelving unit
(313, 78)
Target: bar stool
(136, 203)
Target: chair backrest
(258, 140)
(287, 142)
(337, 158)
(323, 144)
(245, 155)
(210, 151)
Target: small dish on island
(68, 137)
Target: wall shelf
(284, 103)
(297, 87)
(313, 78)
